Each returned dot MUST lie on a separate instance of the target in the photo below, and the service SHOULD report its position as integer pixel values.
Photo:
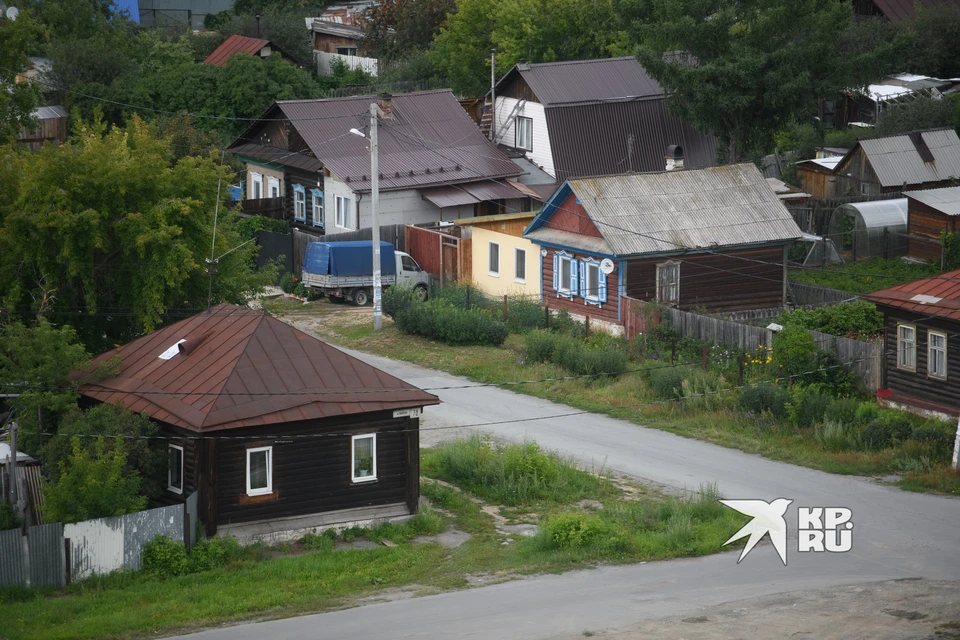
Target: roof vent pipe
(191, 342)
(674, 157)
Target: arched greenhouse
(870, 229)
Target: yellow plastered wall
(505, 283)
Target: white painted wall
(506, 133)
(396, 207)
(333, 187)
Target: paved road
(896, 534)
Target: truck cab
(409, 273)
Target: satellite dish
(12, 13)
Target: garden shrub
(837, 436)
(441, 320)
(599, 360)
(576, 356)
(163, 558)
(867, 412)
(807, 406)
(575, 529)
(563, 323)
(524, 315)
(396, 298)
(859, 319)
(8, 518)
(702, 389)
(319, 542)
(210, 554)
(937, 436)
(762, 397)
(843, 410)
(667, 382)
(539, 346)
(458, 295)
(287, 282)
(886, 431)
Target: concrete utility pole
(493, 95)
(375, 218)
(956, 448)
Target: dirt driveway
(891, 610)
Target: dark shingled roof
(239, 367)
(429, 140)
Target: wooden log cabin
(931, 213)
(280, 433)
(921, 361)
(713, 238)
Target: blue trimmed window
(299, 203)
(316, 206)
(565, 275)
(593, 284)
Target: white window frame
(353, 455)
(343, 206)
(269, 488)
(931, 361)
(495, 272)
(316, 207)
(519, 258)
(568, 290)
(672, 289)
(588, 266)
(256, 182)
(273, 184)
(299, 203)
(170, 486)
(903, 351)
(524, 134)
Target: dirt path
(891, 610)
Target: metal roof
(278, 156)
(429, 141)
(878, 213)
(329, 27)
(608, 138)
(946, 200)
(233, 367)
(897, 161)
(900, 10)
(675, 210)
(50, 112)
(938, 296)
(827, 163)
(586, 80)
(470, 193)
(233, 45)
(549, 235)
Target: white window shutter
(602, 294)
(556, 273)
(574, 287)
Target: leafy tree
(144, 456)
(36, 362)
(93, 485)
(17, 99)
(920, 113)
(116, 233)
(281, 26)
(393, 28)
(934, 47)
(759, 63)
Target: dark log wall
(927, 222)
(917, 385)
(607, 312)
(313, 475)
(729, 281)
(518, 89)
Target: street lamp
(375, 217)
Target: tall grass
(513, 474)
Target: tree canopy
(17, 99)
(393, 28)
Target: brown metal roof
(586, 80)
(938, 296)
(233, 45)
(429, 141)
(278, 156)
(900, 159)
(606, 138)
(240, 367)
(899, 10)
(470, 193)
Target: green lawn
(287, 580)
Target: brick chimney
(674, 157)
(385, 104)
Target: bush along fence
(52, 555)
(863, 358)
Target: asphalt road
(895, 535)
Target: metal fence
(51, 554)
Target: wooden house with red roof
(921, 362)
(243, 44)
(279, 432)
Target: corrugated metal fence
(48, 554)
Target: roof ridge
(589, 61)
(364, 95)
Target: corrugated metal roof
(666, 212)
(50, 112)
(615, 137)
(470, 193)
(900, 10)
(586, 80)
(429, 141)
(826, 163)
(878, 213)
(339, 29)
(232, 45)
(946, 200)
(246, 368)
(937, 296)
(278, 156)
(896, 160)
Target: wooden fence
(863, 358)
(439, 254)
(812, 295)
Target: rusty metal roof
(938, 296)
(946, 200)
(900, 10)
(899, 159)
(429, 141)
(586, 80)
(233, 45)
(669, 211)
(233, 367)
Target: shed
(51, 127)
(279, 432)
(870, 229)
(930, 213)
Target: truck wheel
(361, 297)
(420, 293)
